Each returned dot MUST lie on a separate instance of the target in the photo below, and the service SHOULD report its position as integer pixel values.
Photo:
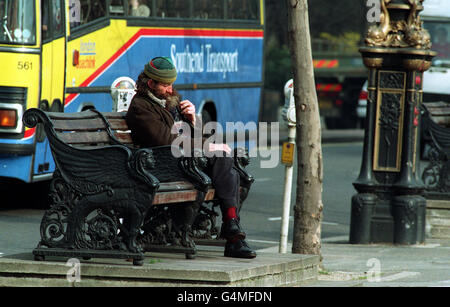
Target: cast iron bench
(111, 199)
(435, 147)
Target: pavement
(209, 269)
(343, 265)
(383, 265)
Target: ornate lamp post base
(389, 207)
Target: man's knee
(223, 162)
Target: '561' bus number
(24, 65)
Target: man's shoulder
(142, 102)
(144, 106)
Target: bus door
(52, 76)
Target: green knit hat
(161, 69)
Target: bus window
(74, 13)
(139, 8)
(58, 25)
(45, 20)
(208, 9)
(172, 8)
(243, 9)
(90, 10)
(116, 8)
(17, 22)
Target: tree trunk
(308, 207)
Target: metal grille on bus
(10, 94)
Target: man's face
(161, 90)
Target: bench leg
(138, 262)
(190, 256)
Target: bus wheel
(206, 117)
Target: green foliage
(278, 67)
(346, 42)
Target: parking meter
(287, 158)
(288, 111)
(122, 91)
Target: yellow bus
(63, 56)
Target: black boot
(231, 230)
(239, 249)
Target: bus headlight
(8, 118)
(11, 117)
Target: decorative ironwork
(395, 32)
(390, 111)
(388, 133)
(392, 80)
(436, 175)
(205, 224)
(436, 142)
(100, 197)
(168, 224)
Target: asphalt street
(262, 211)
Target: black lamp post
(388, 206)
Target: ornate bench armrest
(241, 160)
(172, 165)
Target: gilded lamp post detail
(388, 206)
(405, 32)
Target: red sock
(233, 240)
(230, 214)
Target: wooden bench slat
(85, 137)
(180, 196)
(436, 104)
(114, 115)
(85, 114)
(85, 124)
(71, 116)
(118, 124)
(442, 121)
(124, 137)
(439, 112)
(90, 146)
(71, 120)
(175, 186)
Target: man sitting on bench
(153, 111)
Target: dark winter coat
(150, 123)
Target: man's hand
(219, 147)
(188, 110)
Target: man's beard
(172, 101)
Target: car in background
(361, 108)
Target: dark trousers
(225, 180)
